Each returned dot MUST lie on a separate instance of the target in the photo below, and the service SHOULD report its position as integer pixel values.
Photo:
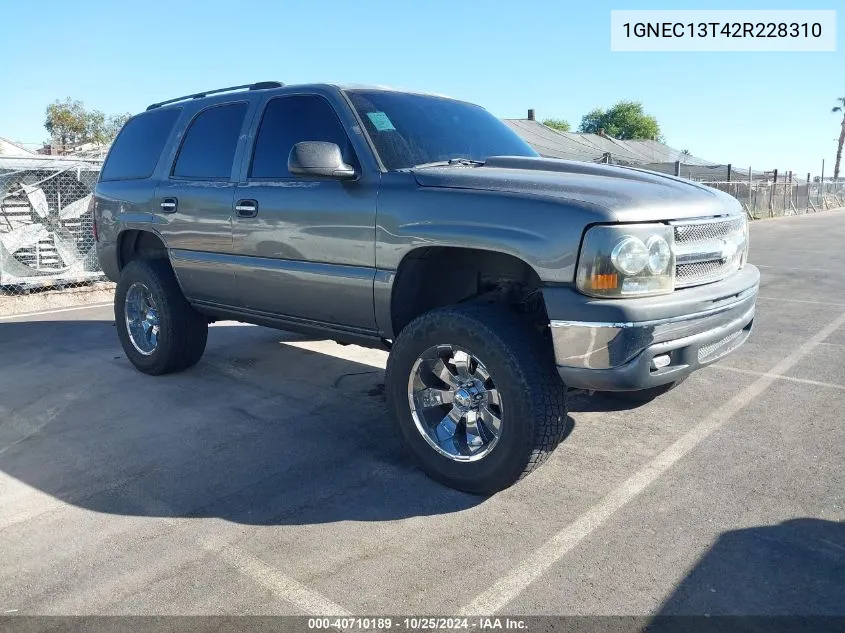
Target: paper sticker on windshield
(380, 121)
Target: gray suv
(423, 225)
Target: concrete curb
(101, 292)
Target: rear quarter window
(137, 148)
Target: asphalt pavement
(267, 479)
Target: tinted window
(409, 129)
(291, 120)
(135, 152)
(209, 146)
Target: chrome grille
(705, 231)
(721, 347)
(700, 273)
(708, 250)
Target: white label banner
(706, 30)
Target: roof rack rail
(261, 85)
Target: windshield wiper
(465, 162)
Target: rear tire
(494, 343)
(162, 333)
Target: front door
(194, 204)
(305, 247)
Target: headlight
(629, 255)
(627, 260)
(659, 255)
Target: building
(10, 148)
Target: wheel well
(134, 244)
(433, 277)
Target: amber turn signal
(604, 282)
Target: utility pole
(808, 191)
(821, 188)
(772, 193)
(750, 198)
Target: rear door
(193, 204)
(304, 246)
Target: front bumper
(609, 345)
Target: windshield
(410, 129)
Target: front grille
(708, 250)
(705, 231)
(721, 347)
(700, 273)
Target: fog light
(659, 362)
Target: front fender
(544, 233)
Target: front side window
(291, 120)
(208, 150)
(412, 129)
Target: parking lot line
(508, 587)
(13, 422)
(22, 315)
(806, 381)
(306, 600)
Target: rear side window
(138, 146)
(291, 120)
(209, 146)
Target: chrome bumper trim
(604, 345)
(743, 296)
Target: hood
(626, 194)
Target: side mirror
(319, 159)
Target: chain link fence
(771, 199)
(46, 232)
(763, 194)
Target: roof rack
(261, 85)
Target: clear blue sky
(762, 109)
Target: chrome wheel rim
(142, 321)
(455, 404)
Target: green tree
(625, 120)
(66, 122)
(114, 123)
(95, 128)
(686, 152)
(100, 129)
(836, 165)
(70, 124)
(557, 124)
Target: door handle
(246, 208)
(168, 205)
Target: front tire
(477, 403)
(159, 330)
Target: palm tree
(839, 108)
